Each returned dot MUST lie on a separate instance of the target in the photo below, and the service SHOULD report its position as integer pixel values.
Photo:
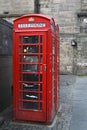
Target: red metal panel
(52, 74)
(49, 77)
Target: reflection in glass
(41, 59)
(30, 77)
(40, 39)
(40, 77)
(30, 39)
(30, 58)
(30, 49)
(30, 68)
(40, 49)
(40, 87)
(40, 105)
(40, 96)
(30, 105)
(30, 86)
(30, 96)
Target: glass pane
(40, 39)
(40, 96)
(30, 58)
(40, 77)
(29, 86)
(30, 49)
(30, 68)
(40, 49)
(30, 105)
(30, 39)
(41, 59)
(30, 96)
(41, 106)
(40, 87)
(30, 77)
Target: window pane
(30, 68)
(30, 77)
(41, 106)
(29, 86)
(40, 96)
(40, 77)
(30, 96)
(41, 59)
(30, 39)
(30, 49)
(40, 39)
(30, 58)
(40, 49)
(30, 105)
(40, 87)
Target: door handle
(45, 67)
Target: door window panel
(30, 77)
(30, 39)
(41, 39)
(40, 77)
(30, 96)
(30, 58)
(30, 105)
(41, 106)
(40, 49)
(30, 49)
(29, 86)
(41, 59)
(30, 68)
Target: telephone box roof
(36, 15)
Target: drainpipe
(36, 6)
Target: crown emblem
(31, 19)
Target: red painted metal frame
(49, 68)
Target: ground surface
(72, 114)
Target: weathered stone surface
(65, 14)
(16, 7)
(84, 4)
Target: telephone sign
(32, 25)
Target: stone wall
(82, 54)
(68, 55)
(65, 13)
(16, 7)
(84, 4)
(82, 39)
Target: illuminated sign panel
(32, 25)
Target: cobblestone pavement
(64, 114)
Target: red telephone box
(35, 68)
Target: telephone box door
(30, 76)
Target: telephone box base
(34, 126)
